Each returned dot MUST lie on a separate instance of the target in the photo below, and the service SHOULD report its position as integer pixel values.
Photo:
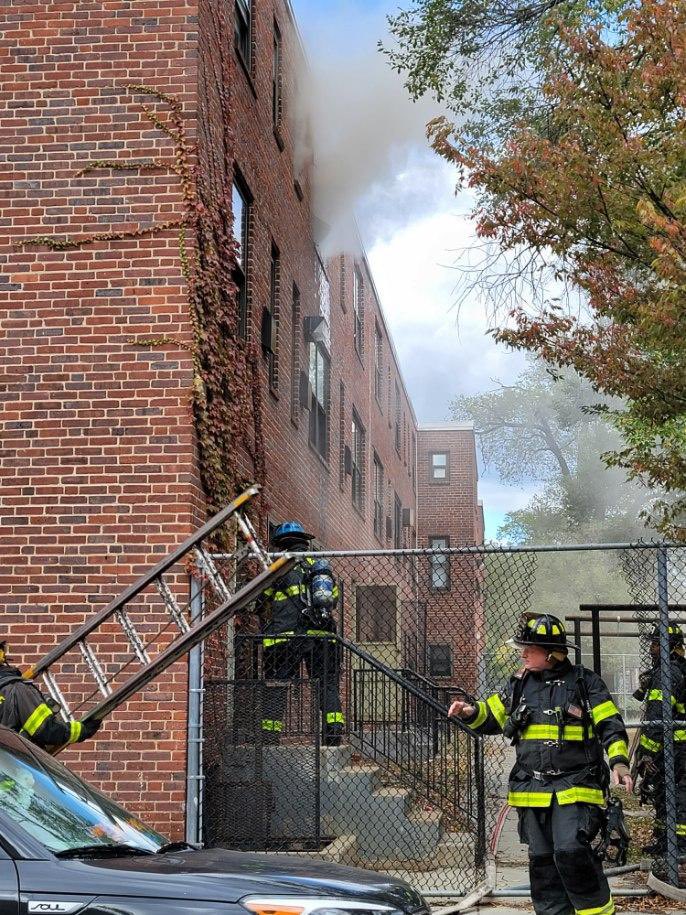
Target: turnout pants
(566, 876)
(282, 662)
(660, 800)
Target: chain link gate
(407, 791)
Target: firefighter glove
(89, 727)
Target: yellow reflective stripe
(335, 718)
(618, 748)
(269, 725)
(680, 707)
(75, 729)
(36, 719)
(681, 829)
(276, 640)
(498, 710)
(320, 632)
(335, 591)
(679, 736)
(551, 732)
(649, 744)
(268, 592)
(530, 798)
(482, 715)
(578, 795)
(603, 711)
(290, 591)
(606, 909)
(656, 695)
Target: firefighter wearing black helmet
(649, 757)
(562, 720)
(297, 622)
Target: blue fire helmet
(290, 531)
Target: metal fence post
(195, 732)
(595, 631)
(667, 718)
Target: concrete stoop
(373, 823)
(385, 819)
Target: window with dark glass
(277, 101)
(319, 374)
(438, 467)
(378, 363)
(357, 449)
(243, 29)
(358, 310)
(440, 661)
(439, 564)
(240, 202)
(378, 496)
(397, 418)
(376, 609)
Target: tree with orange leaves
(584, 207)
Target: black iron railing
(393, 717)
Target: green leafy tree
(481, 58)
(542, 428)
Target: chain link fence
(400, 788)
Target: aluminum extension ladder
(156, 594)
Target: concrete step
(456, 849)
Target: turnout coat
(567, 718)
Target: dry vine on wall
(226, 398)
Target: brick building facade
(99, 457)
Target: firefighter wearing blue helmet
(296, 615)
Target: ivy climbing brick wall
(99, 475)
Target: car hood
(216, 875)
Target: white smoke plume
(366, 136)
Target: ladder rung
(170, 601)
(215, 578)
(56, 695)
(250, 538)
(95, 668)
(135, 640)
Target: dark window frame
(440, 666)
(439, 563)
(243, 32)
(439, 481)
(377, 627)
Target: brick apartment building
(99, 456)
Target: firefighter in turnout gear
(649, 757)
(24, 709)
(560, 718)
(297, 622)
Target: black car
(66, 848)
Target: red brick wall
(451, 509)
(99, 465)
(98, 458)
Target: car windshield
(54, 806)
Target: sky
(374, 162)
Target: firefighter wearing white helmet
(562, 720)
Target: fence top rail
(494, 549)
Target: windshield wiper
(97, 850)
(176, 846)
